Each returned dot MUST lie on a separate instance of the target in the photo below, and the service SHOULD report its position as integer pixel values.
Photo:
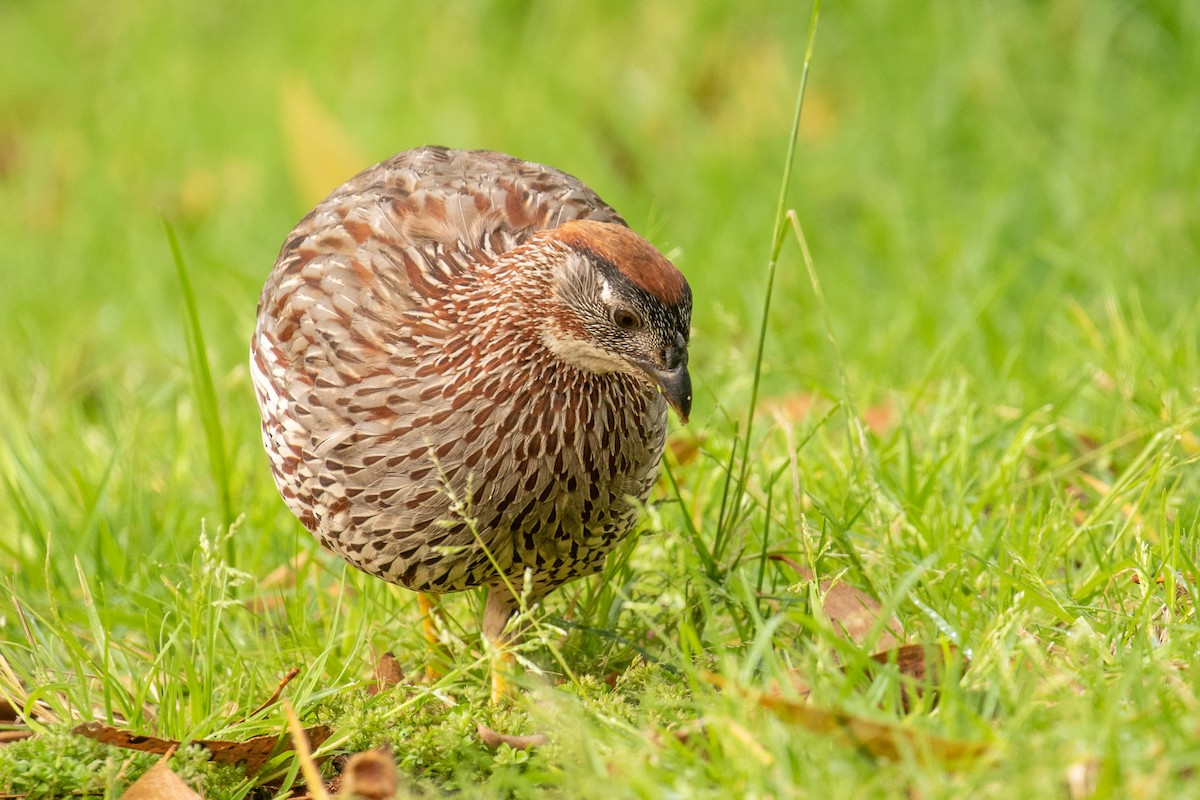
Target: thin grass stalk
(726, 523)
(205, 389)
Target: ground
(972, 421)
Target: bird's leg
(429, 625)
(496, 612)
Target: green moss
(59, 763)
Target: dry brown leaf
(11, 719)
(684, 447)
(918, 661)
(160, 783)
(922, 668)
(852, 612)
(272, 589)
(250, 754)
(494, 739)
(880, 739)
(371, 775)
(387, 674)
(282, 577)
(792, 407)
(879, 418)
(16, 707)
(260, 604)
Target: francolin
(464, 363)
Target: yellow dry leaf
(308, 765)
(880, 739)
(320, 153)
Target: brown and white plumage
(460, 353)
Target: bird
(464, 363)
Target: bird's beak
(676, 386)
(672, 380)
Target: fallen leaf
(881, 739)
(922, 668)
(370, 775)
(791, 407)
(284, 576)
(879, 418)
(13, 694)
(272, 588)
(9, 718)
(160, 783)
(684, 447)
(852, 612)
(917, 661)
(250, 754)
(494, 739)
(387, 674)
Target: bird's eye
(626, 320)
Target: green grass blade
(202, 384)
(777, 239)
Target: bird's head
(619, 306)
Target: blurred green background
(990, 190)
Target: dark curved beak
(672, 378)
(676, 386)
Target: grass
(994, 433)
